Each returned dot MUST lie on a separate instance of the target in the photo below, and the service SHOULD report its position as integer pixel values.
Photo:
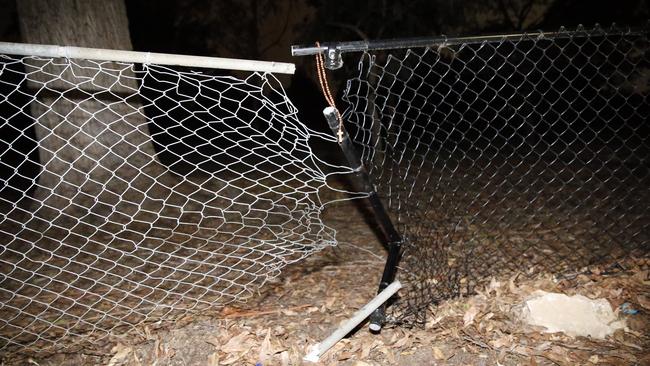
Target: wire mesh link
(138, 195)
(526, 155)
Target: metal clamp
(333, 59)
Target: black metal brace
(392, 239)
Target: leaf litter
(304, 304)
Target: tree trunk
(93, 139)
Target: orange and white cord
(327, 93)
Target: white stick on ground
(351, 323)
(100, 54)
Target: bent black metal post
(393, 239)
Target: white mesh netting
(133, 195)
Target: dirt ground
(309, 299)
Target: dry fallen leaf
(494, 285)
(265, 347)
(644, 301)
(345, 355)
(231, 359)
(390, 357)
(543, 346)
(278, 331)
(511, 283)
(330, 302)
(214, 341)
(404, 341)
(213, 359)
(121, 354)
(365, 349)
(361, 363)
(237, 343)
(503, 341)
(433, 321)
(524, 351)
(284, 358)
(289, 312)
(470, 314)
(438, 354)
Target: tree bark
(94, 144)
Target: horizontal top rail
(100, 54)
(387, 44)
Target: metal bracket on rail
(333, 59)
(332, 52)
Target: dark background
(265, 30)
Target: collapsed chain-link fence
(132, 195)
(519, 154)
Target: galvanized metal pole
(100, 54)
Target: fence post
(392, 239)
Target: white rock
(576, 315)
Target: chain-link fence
(501, 155)
(136, 195)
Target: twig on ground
(468, 337)
(243, 314)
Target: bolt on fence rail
(500, 155)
